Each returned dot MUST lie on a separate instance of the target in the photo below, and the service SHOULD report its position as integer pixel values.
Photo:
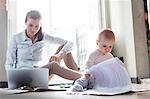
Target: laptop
(37, 77)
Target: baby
(105, 73)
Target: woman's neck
(32, 37)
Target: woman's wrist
(61, 54)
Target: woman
(25, 50)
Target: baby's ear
(97, 41)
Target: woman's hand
(55, 58)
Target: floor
(62, 94)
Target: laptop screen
(27, 77)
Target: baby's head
(105, 40)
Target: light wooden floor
(63, 95)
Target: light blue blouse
(23, 53)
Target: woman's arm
(11, 55)
(67, 45)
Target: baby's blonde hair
(107, 33)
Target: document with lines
(111, 77)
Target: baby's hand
(88, 76)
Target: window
(74, 20)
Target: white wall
(127, 21)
